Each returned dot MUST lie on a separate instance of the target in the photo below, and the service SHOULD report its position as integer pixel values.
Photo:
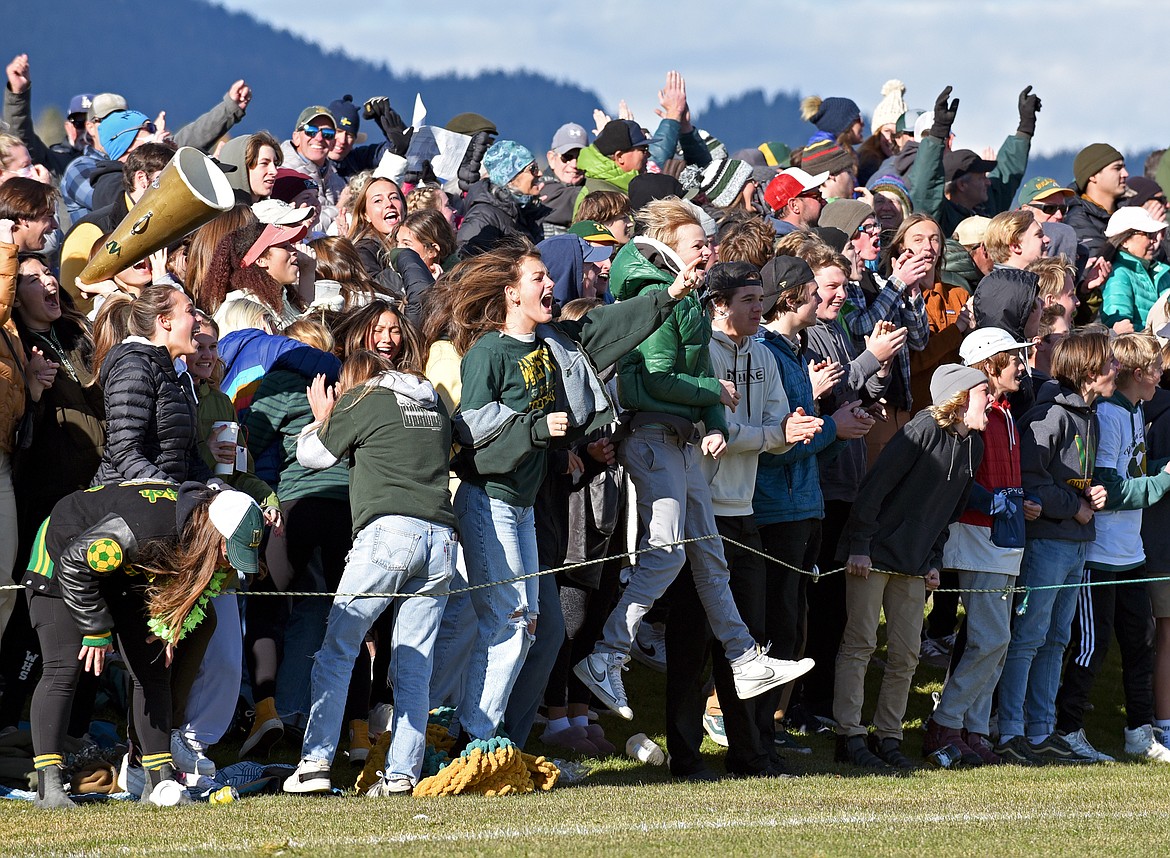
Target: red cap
(273, 234)
(781, 190)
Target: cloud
(1081, 56)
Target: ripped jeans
(499, 542)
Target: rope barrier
(814, 573)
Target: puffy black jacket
(150, 418)
(491, 213)
(1005, 298)
(1088, 220)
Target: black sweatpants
(826, 613)
(689, 641)
(1121, 609)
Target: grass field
(627, 808)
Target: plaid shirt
(892, 305)
(75, 187)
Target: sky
(1099, 68)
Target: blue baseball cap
(80, 103)
(118, 130)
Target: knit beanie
(648, 187)
(1092, 160)
(891, 107)
(777, 154)
(504, 160)
(471, 123)
(832, 115)
(348, 117)
(952, 378)
(892, 185)
(723, 181)
(826, 156)
(845, 215)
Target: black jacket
(400, 273)
(1088, 220)
(151, 428)
(1005, 299)
(490, 214)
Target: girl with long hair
(259, 262)
(138, 560)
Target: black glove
(1029, 107)
(390, 121)
(944, 115)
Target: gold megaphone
(188, 193)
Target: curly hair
(203, 244)
(224, 273)
(751, 240)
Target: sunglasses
(146, 126)
(1050, 208)
(314, 130)
(811, 195)
(78, 123)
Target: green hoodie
(601, 174)
(670, 371)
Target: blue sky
(1100, 68)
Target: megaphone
(188, 193)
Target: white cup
(642, 747)
(225, 430)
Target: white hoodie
(754, 426)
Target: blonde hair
(243, 313)
(952, 411)
(1133, 352)
(797, 243)
(1006, 229)
(8, 144)
(310, 332)
(662, 219)
(1051, 272)
(423, 198)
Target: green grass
(627, 808)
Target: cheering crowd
(692, 382)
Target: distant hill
(114, 46)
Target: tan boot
(267, 729)
(359, 742)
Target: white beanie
(891, 106)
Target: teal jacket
(670, 371)
(928, 181)
(1132, 289)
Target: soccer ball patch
(104, 555)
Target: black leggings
(60, 643)
(585, 611)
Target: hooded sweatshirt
(1005, 299)
(396, 434)
(1122, 467)
(917, 486)
(1156, 519)
(1058, 449)
(754, 426)
(233, 153)
(562, 256)
(601, 174)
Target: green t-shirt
(398, 451)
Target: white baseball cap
(982, 343)
(1132, 217)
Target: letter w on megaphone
(189, 192)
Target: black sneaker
(1056, 751)
(855, 751)
(698, 776)
(889, 751)
(1017, 751)
(800, 719)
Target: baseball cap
(593, 232)
(119, 130)
(1132, 217)
(103, 104)
(1040, 187)
(313, 112)
(289, 183)
(273, 234)
(982, 343)
(906, 122)
(568, 137)
(726, 276)
(963, 161)
(789, 184)
(238, 518)
(80, 104)
(620, 135)
(971, 231)
(595, 252)
(781, 273)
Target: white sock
(579, 720)
(556, 725)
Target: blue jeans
(393, 553)
(456, 638)
(529, 689)
(499, 542)
(1031, 671)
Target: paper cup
(225, 430)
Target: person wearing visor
(138, 560)
(259, 262)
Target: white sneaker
(168, 793)
(650, 646)
(379, 720)
(1079, 743)
(756, 673)
(189, 758)
(131, 779)
(311, 776)
(602, 674)
(388, 785)
(1141, 743)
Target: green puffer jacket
(670, 371)
(601, 174)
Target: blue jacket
(788, 485)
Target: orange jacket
(11, 365)
(943, 303)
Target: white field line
(603, 830)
